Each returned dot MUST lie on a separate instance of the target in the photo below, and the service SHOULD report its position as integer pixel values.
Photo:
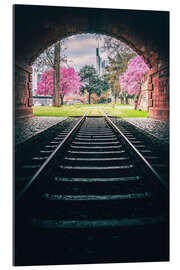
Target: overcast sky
(81, 50)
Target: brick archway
(37, 27)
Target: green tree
(91, 82)
(117, 66)
(118, 56)
(113, 46)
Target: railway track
(96, 198)
(30, 155)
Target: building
(39, 100)
(36, 77)
(42, 100)
(103, 66)
(100, 63)
(74, 100)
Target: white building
(36, 77)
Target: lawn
(93, 110)
(123, 113)
(66, 110)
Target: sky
(81, 50)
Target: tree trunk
(56, 98)
(122, 99)
(62, 99)
(115, 97)
(136, 101)
(127, 101)
(89, 99)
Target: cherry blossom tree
(51, 58)
(130, 80)
(69, 83)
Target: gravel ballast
(26, 128)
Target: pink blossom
(130, 80)
(69, 82)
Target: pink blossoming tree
(130, 80)
(69, 83)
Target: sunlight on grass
(123, 113)
(69, 110)
(93, 110)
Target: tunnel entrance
(92, 64)
(89, 181)
(146, 32)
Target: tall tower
(98, 61)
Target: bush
(101, 100)
(109, 100)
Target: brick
(30, 102)
(149, 42)
(150, 87)
(150, 103)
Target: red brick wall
(35, 30)
(158, 91)
(22, 91)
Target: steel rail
(50, 158)
(136, 151)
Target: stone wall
(158, 90)
(22, 91)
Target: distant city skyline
(81, 50)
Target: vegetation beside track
(125, 113)
(93, 109)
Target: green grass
(94, 109)
(124, 113)
(105, 105)
(69, 110)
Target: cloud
(81, 52)
(81, 49)
(78, 62)
(82, 42)
(76, 45)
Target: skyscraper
(98, 61)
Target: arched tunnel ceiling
(37, 27)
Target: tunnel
(38, 27)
